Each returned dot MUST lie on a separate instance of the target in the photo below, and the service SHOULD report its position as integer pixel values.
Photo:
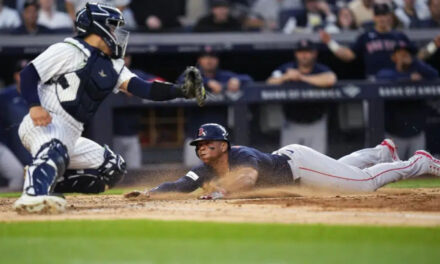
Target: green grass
(417, 183)
(143, 241)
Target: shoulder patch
(192, 175)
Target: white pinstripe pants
(84, 153)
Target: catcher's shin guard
(48, 165)
(41, 178)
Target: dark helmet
(105, 21)
(211, 131)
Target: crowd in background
(288, 16)
(387, 53)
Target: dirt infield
(414, 207)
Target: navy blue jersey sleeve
(194, 179)
(427, 71)
(29, 85)
(244, 78)
(282, 69)
(183, 184)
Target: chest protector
(81, 92)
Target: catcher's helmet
(211, 131)
(105, 21)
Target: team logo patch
(102, 74)
(202, 132)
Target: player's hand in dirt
(213, 196)
(192, 86)
(137, 194)
(40, 116)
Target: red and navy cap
(304, 44)
(210, 131)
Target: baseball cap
(208, 51)
(30, 3)
(304, 44)
(406, 46)
(381, 9)
(216, 3)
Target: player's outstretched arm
(192, 87)
(323, 80)
(429, 49)
(342, 52)
(183, 185)
(241, 179)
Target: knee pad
(94, 180)
(48, 165)
(81, 181)
(113, 169)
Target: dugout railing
(373, 94)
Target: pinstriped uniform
(65, 58)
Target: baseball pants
(365, 170)
(84, 153)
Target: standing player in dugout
(228, 169)
(64, 87)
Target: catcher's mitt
(192, 86)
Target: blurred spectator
(158, 16)
(434, 8)
(73, 6)
(405, 120)
(268, 11)
(374, 46)
(219, 20)
(317, 14)
(10, 169)
(362, 10)
(30, 18)
(53, 19)
(13, 108)
(194, 9)
(12, 153)
(345, 21)
(126, 126)
(218, 82)
(9, 18)
(433, 46)
(412, 13)
(305, 123)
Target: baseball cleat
(434, 165)
(42, 204)
(392, 147)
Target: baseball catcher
(227, 169)
(64, 87)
